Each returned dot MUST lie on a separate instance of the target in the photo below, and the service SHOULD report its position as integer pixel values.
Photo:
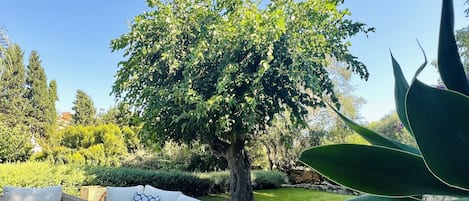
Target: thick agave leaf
(375, 138)
(375, 170)
(449, 63)
(377, 198)
(439, 121)
(400, 91)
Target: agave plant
(438, 120)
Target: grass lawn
(290, 194)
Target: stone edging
(324, 186)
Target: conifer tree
(84, 110)
(38, 96)
(53, 97)
(13, 102)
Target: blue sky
(72, 38)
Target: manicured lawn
(290, 194)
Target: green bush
(168, 180)
(41, 174)
(15, 143)
(268, 179)
(219, 181)
(72, 177)
(260, 179)
(91, 145)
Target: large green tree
(15, 133)
(38, 94)
(218, 71)
(13, 102)
(84, 110)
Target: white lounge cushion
(164, 195)
(183, 197)
(122, 193)
(145, 197)
(11, 193)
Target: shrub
(219, 181)
(268, 179)
(260, 179)
(91, 145)
(15, 143)
(168, 180)
(41, 174)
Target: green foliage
(268, 179)
(39, 174)
(120, 115)
(219, 181)
(130, 139)
(270, 59)
(260, 179)
(72, 177)
(51, 110)
(391, 127)
(84, 110)
(462, 38)
(206, 161)
(92, 145)
(42, 114)
(436, 118)
(15, 143)
(325, 126)
(172, 180)
(12, 87)
(219, 71)
(283, 142)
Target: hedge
(72, 177)
(169, 180)
(41, 174)
(260, 179)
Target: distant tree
(51, 109)
(13, 102)
(283, 143)
(218, 71)
(120, 115)
(391, 126)
(84, 110)
(325, 126)
(462, 39)
(38, 95)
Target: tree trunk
(269, 156)
(240, 172)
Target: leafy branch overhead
(230, 64)
(437, 118)
(219, 71)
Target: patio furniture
(65, 197)
(99, 193)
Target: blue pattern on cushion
(144, 197)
